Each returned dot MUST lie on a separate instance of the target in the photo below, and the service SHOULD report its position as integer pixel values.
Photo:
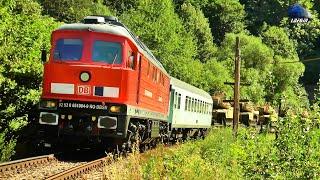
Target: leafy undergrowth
(293, 155)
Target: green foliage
(6, 147)
(120, 6)
(225, 16)
(195, 23)
(256, 60)
(215, 75)
(266, 64)
(73, 10)
(291, 154)
(212, 158)
(278, 39)
(260, 11)
(24, 32)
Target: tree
(225, 16)
(197, 24)
(160, 28)
(264, 65)
(71, 11)
(24, 32)
(259, 12)
(120, 6)
(278, 39)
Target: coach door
(171, 104)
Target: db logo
(84, 90)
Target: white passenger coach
(190, 107)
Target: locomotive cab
(94, 83)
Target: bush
(294, 154)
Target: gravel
(39, 172)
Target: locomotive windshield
(68, 49)
(107, 52)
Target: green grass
(293, 155)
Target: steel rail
(24, 163)
(76, 171)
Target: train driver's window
(107, 52)
(68, 49)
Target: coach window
(175, 100)
(193, 105)
(203, 107)
(186, 104)
(179, 100)
(107, 52)
(206, 108)
(198, 106)
(68, 50)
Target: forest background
(194, 39)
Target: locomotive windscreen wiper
(115, 57)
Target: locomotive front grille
(107, 122)
(48, 118)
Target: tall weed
(292, 153)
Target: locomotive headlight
(84, 76)
(115, 109)
(50, 104)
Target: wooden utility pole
(236, 110)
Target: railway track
(48, 167)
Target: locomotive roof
(178, 83)
(116, 28)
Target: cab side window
(131, 62)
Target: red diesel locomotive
(102, 85)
